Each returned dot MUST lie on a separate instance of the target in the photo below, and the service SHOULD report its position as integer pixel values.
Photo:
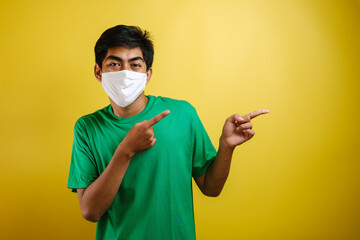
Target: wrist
(124, 152)
(223, 144)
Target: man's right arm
(98, 196)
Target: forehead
(124, 53)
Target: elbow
(212, 193)
(89, 215)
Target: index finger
(257, 113)
(158, 118)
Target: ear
(97, 72)
(148, 75)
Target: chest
(172, 151)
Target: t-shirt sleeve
(83, 170)
(204, 151)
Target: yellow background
(298, 178)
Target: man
(131, 163)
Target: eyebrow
(120, 59)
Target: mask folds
(123, 87)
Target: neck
(135, 108)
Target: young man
(132, 161)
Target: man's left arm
(237, 130)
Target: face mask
(123, 87)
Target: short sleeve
(83, 169)
(204, 151)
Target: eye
(114, 64)
(136, 65)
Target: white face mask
(123, 87)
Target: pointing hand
(141, 136)
(238, 129)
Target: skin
(237, 130)
(131, 59)
(98, 196)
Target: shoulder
(181, 105)
(91, 119)
(181, 110)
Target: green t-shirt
(154, 200)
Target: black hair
(124, 36)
